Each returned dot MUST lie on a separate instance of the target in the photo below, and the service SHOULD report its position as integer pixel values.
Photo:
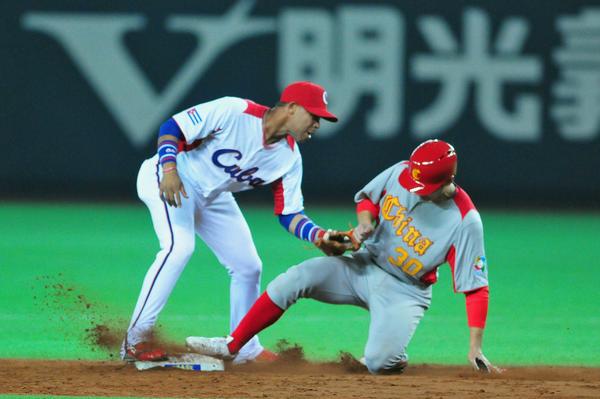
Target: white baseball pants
(221, 225)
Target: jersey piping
(277, 187)
(258, 111)
(463, 202)
(255, 109)
(451, 259)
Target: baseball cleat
(210, 346)
(266, 356)
(144, 352)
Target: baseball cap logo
(325, 97)
(416, 174)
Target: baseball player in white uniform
(206, 153)
(412, 218)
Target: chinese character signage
(514, 86)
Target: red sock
(261, 315)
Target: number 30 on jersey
(410, 266)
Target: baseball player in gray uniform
(412, 218)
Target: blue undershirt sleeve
(170, 127)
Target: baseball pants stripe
(135, 320)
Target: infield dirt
(292, 378)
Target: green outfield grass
(65, 267)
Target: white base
(188, 361)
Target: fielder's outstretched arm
(301, 226)
(331, 243)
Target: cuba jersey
(224, 150)
(414, 237)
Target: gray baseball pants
(396, 308)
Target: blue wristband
(305, 228)
(167, 151)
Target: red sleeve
(368, 205)
(477, 306)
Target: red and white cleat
(266, 356)
(144, 352)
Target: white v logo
(95, 42)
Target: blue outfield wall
(85, 84)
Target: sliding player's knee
(385, 362)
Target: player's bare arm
(365, 226)
(171, 187)
(476, 356)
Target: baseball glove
(335, 243)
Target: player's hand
(362, 232)
(171, 189)
(481, 363)
(334, 243)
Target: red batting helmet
(432, 164)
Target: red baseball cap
(432, 164)
(310, 96)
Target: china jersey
(414, 236)
(224, 150)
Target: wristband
(301, 226)
(167, 151)
(169, 169)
